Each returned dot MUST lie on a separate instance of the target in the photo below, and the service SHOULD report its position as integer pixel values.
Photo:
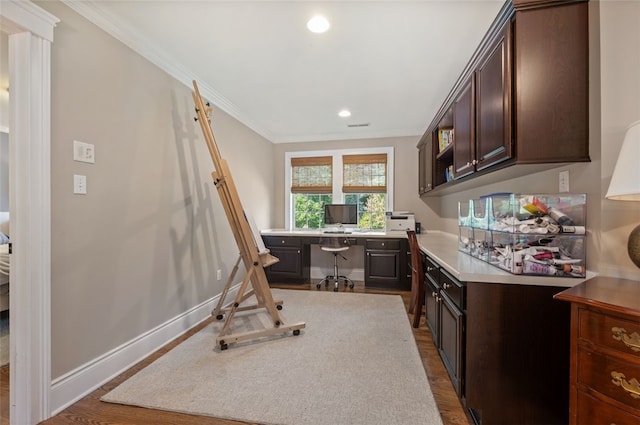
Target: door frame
(30, 33)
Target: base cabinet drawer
(593, 411)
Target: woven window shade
(364, 173)
(312, 174)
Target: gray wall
(144, 244)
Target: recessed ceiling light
(318, 24)
(344, 113)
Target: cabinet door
(425, 166)
(382, 268)
(552, 83)
(433, 307)
(464, 153)
(493, 103)
(289, 266)
(451, 340)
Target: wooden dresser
(605, 351)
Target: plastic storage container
(541, 234)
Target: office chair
(417, 279)
(335, 246)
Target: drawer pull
(633, 341)
(632, 386)
(446, 285)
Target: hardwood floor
(90, 410)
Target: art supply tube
(531, 267)
(578, 230)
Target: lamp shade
(625, 181)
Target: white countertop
(313, 232)
(443, 248)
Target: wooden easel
(252, 252)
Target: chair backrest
(334, 241)
(416, 258)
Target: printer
(400, 221)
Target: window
(352, 176)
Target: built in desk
(385, 256)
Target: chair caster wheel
(223, 346)
(220, 316)
(296, 332)
(279, 306)
(318, 286)
(335, 289)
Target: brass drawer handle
(632, 386)
(633, 341)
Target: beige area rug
(356, 362)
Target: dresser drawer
(593, 411)
(610, 376)
(609, 331)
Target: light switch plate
(79, 184)
(84, 152)
(563, 181)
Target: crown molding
(19, 15)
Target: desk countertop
(314, 233)
(443, 248)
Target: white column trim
(30, 229)
(30, 30)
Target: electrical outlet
(563, 180)
(84, 152)
(219, 274)
(79, 184)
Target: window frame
(338, 195)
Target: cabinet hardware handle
(446, 285)
(632, 341)
(474, 162)
(433, 294)
(468, 164)
(430, 269)
(631, 386)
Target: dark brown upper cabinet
(464, 151)
(523, 98)
(493, 103)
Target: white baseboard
(76, 384)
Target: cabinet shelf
(446, 153)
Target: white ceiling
(391, 63)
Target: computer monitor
(341, 215)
